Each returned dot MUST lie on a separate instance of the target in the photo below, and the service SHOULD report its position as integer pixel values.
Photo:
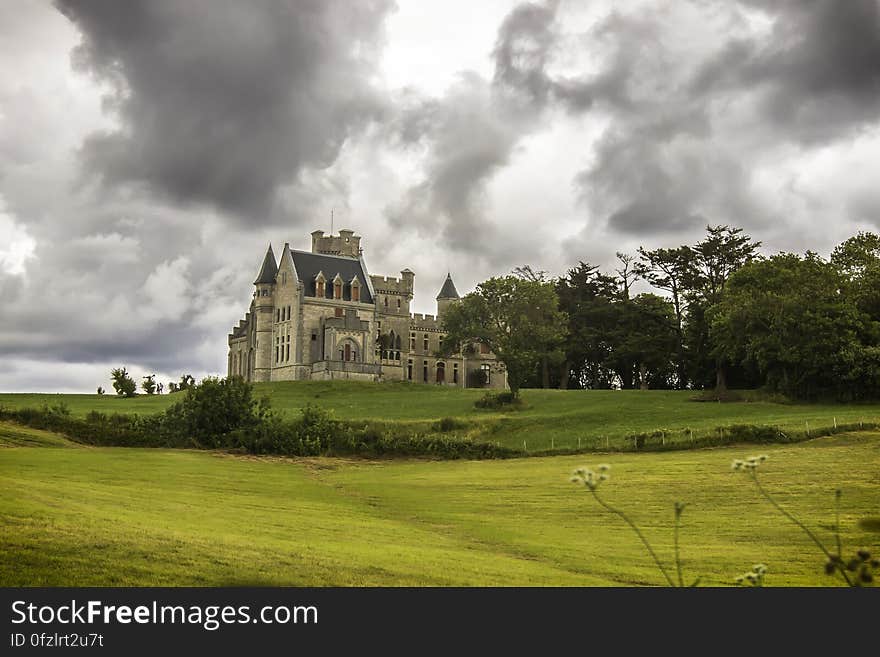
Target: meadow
(81, 516)
(560, 419)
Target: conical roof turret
(269, 270)
(448, 290)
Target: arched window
(441, 372)
(347, 350)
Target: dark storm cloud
(222, 102)
(472, 132)
(818, 70)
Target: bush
(214, 408)
(447, 424)
(504, 400)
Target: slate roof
(308, 265)
(269, 269)
(448, 290)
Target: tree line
(721, 315)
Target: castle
(321, 315)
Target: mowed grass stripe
(151, 517)
(115, 516)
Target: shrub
(499, 401)
(447, 424)
(214, 408)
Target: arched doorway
(441, 372)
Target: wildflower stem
(788, 515)
(626, 519)
(677, 559)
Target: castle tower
(448, 295)
(346, 244)
(264, 308)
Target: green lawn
(116, 516)
(555, 418)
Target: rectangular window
(355, 293)
(425, 371)
(319, 290)
(412, 341)
(486, 376)
(409, 370)
(277, 314)
(338, 312)
(287, 356)
(455, 373)
(425, 341)
(337, 290)
(484, 348)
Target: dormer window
(355, 289)
(319, 285)
(337, 287)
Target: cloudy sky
(151, 149)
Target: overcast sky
(151, 149)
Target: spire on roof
(448, 290)
(269, 269)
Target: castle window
(441, 372)
(425, 341)
(355, 292)
(288, 312)
(339, 312)
(425, 371)
(319, 289)
(284, 278)
(484, 348)
(277, 314)
(409, 370)
(398, 304)
(486, 373)
(337, 290)
(455, 373)
(412, 341)
(386, 302)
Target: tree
(148, 385)
(100, 390)
(518, 319)
(672, 270)
(786, 316)
(591, 301)
(123, 384)
(715, 259)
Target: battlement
(402, 285)
(424, 319)
(346, 244)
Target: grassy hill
(551, 418)
(117, 516)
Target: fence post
(807, 424)
(835, 422)
(525, 449)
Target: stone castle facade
(321, 315)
